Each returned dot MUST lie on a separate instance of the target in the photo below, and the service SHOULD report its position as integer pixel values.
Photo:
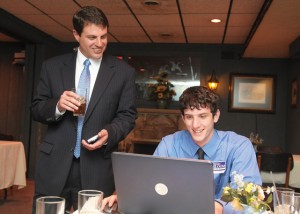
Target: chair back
(277, 162)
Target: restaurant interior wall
(12, 89)
(293, 112)
(271, 127)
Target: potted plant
(162, 91)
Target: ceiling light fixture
(215, 20)
(165, 35)
(151, 2)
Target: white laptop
(146, 184)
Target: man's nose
(196, 123)
(99, 42)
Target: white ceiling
(187, 21)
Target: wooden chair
(277, 162)
(258, 158)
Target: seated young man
(200, 111)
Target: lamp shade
(213, 82)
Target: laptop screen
(159, 185)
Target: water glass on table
(291, 201)
(89, 201)
(50, 205)
(279, 207)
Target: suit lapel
(68, 73)
(68, 76)
(105, 74)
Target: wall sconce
(19, 58)
(213, 82)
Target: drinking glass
(89, 201)
(50, 205)
(82, 99)
(291, 201)
(279, 207)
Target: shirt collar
(209, 148)
(212, 146)
(81, 58)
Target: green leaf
(227, 198)
(269, 199)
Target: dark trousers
(70, 191)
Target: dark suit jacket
(111, 107)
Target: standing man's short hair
(86, 15)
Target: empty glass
(50, 205)
(89, 201)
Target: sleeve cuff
(223, 203)
(58, 114)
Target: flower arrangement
(247, 197)
(255, 139)
(162, 90)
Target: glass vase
(162, 104)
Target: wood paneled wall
(12, 83)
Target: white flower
(270, 189)
(238, 179)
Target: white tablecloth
(280, 177)
(12, 164)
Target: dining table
(12, 165)
(280, 177)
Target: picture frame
(253, 93)
(181, 71)
(294, 93)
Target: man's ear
(217, 116)
(76, 35)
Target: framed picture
(181, 71)
(294, 93)
(252, 93)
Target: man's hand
(108, 202)
(68, 101)
(218, 208)
(103, 136)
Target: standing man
(67, 163)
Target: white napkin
(91, 206)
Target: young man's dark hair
(199, 97)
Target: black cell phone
(93, 139)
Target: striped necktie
(84, 84)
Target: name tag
(219, 167)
